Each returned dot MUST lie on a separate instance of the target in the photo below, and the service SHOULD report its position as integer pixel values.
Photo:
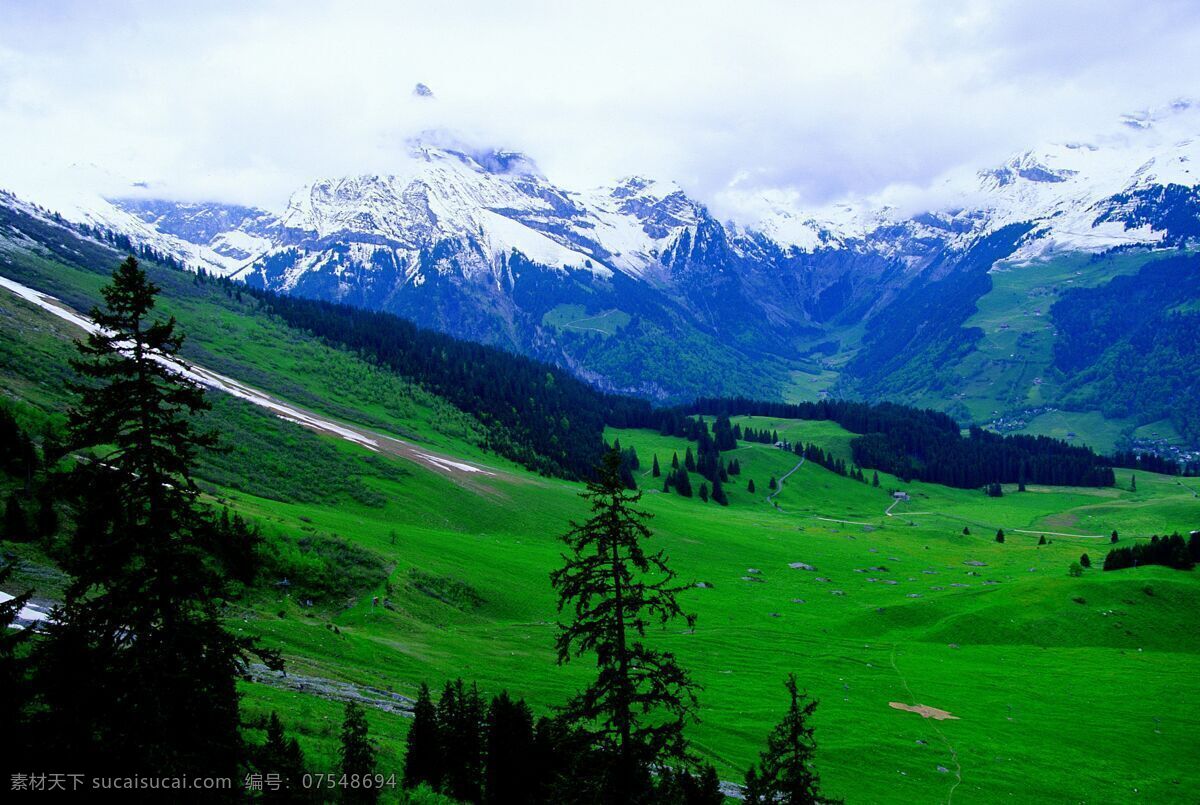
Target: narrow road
(779, 485)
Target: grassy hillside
(1004, 371)
(1063, 688)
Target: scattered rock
(753, 571)
(774, 614)
(943, 769)
(929, 572)
(890, 581)
(953, 645)
(754, 578)
(797, 600)
(974, 563)
(837, 592)
(922, 743)
(893, 559)
(822, 578)
(959, 584)
(703, 585)
(1033, 570)
(873, 550)
(801, 566)
(914, 595)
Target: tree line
(552, 422)
(1171, 551)
(928, 445)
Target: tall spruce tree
(15, 694)
(637, 706)
(137, 673)
(461, 719)
(510, 751)
(785, 772)
(282, 756)
(357, 756)
(423, 752)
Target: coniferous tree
(772, 484)
(704, 491)
(752, 790)
(357, 755)
(1042, 540)
(137, 672)
(627, 478)
(282, 756)
(461, 716)
(16, 523)
(423, 747)
(46, 519)
(750, 486)
(1085, 560)
(683, 786)
(1132, 483)
(718, 492)
(966, 531)
(683, 483)
(510, 751)
(1114, 536)
(689, 461)
(674, 461)
(636, 708)
(1000, 535)
(15, 693)
(785, 772)
(655, 471)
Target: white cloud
(245, 102)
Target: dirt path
(953, 753)
(779, 485)
(847, 522)
(460, 471)
(1060, 534)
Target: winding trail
(779, 485)
(1060, 534)
(936, 728)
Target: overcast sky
(245, 101)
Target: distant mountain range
(638, 288)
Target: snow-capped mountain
(480, 243)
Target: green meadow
(1060, 688)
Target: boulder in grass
(801, 566)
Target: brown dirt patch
(1064, 520)
(924, 710)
